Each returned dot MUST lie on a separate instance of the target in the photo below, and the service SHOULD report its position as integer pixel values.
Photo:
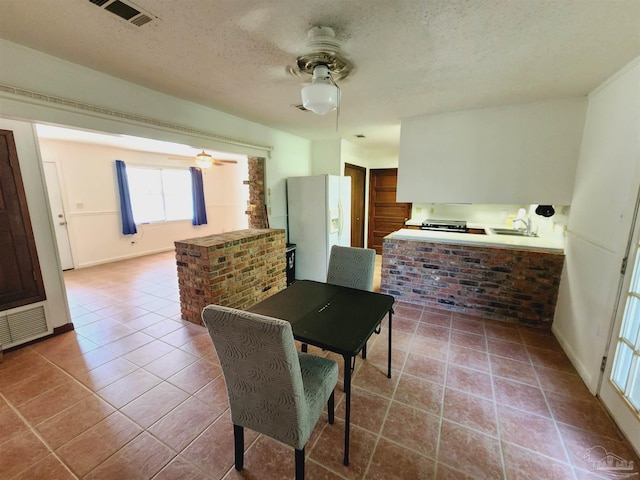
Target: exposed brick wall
(498, 283)
(235, 269)
(255, 206)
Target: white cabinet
(515, 154)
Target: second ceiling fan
(204, 160)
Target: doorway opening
(83, 194)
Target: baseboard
(585, 374)
(124, 257)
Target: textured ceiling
(411, 57)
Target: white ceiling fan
(205, 160)
(327, 65)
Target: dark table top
(336, 318)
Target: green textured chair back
(272, 388)
(352, 267)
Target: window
(160, 194)
(625, 373)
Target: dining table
(334, 318)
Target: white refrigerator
(319, 216)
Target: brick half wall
(235, 269)
(518, 286)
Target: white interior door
(620, 388)
(59, 217)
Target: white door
(620, 388)
(59, 217)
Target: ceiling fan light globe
(204, 160)
(320, 98)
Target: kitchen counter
(537, 244)
(498, 277)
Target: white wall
(200, 126)
(90, 197)
(494, 216)
(606, 186)
(38, 204)
(330, 157)
(153, 115)
(325, 157)
(515, 154)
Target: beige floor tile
(446, 368)
(141, 458)
(95, 445)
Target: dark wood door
(385, 214)
(358, 176)
(20, 276)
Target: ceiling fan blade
(225, 161)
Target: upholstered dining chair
(352, 267)
(273, 389)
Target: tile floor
(136, 393)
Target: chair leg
(300, 464)
(303, 348)
(238, 437)
(364, 351)
(330, 408)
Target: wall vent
(126, 10)
(22, 326)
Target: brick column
(257, 200)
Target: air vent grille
(128, 11)
(141, 20)
(25, 325)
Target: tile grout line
(391, 400)
(33, 430)
(116, 409)
(442, 401)
(495, 410)
(95, 394)
(553, 418)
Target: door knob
(63, 223)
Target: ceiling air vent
(126, 10)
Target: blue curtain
(128, 225)
(197, 193)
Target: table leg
(347, 406)
(389, 359)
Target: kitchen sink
(512, 231)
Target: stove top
(445, 225)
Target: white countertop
(538, 244)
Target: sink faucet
(527, 223)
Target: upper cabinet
(515, 154)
